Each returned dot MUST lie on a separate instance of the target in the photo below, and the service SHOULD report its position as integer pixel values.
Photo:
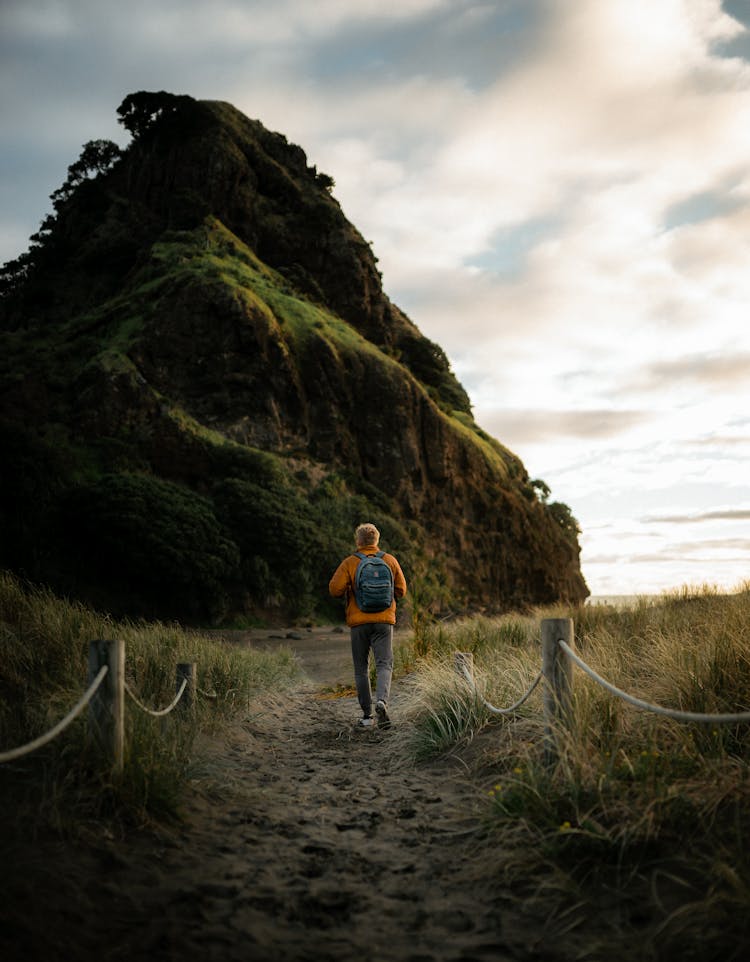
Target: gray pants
(379, 637)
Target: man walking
(370, 580)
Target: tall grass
(43, 670)
(639, 829)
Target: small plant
(445, 710)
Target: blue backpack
(373, 583)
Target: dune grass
(636, 833)
(43, 671)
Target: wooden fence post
(558, 676)
(186, 671)
(107, 707)
(463, 663)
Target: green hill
(204, 389)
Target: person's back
(370, 629)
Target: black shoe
(382, 712)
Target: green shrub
(278, 541)
(429, 364)
(33, 478)
(155, 540)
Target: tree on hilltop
(97, 157)
(140, 111)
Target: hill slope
(204, 388)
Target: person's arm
(340, 582)
(399, 582)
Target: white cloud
(602, 119)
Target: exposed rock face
(206, 297)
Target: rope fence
(105, 695)
(105, 699)
(677, 714)
(153, 712)
(60, 727)
(464, 664)
(558, 659)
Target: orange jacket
(342, 586)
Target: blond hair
(366, 535)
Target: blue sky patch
(509, 247)
(699, 208)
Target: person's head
(366, 535)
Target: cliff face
(201, 328)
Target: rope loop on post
(163, 711)
(61, 725)
(498, 711)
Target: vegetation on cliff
(204, 389)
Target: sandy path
(323, 652)
(303, 839)
(320, 847)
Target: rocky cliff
(204, 388)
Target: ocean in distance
(620, 601)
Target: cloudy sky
(558, 192)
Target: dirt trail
(304, 839)
(324, 849)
